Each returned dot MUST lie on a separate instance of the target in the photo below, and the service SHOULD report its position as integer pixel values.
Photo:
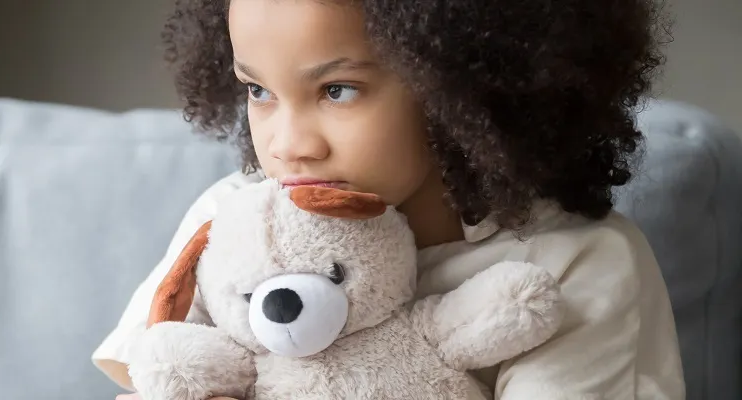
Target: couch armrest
(687, 198)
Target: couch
(89, 199)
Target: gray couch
(89, 200)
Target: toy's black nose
(282, 306)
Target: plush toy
(311, 293)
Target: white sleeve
(112, 354)
(618, 338)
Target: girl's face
(321, 108)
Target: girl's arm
(618, 338)
(112, 355)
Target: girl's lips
(294, 182)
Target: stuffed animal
(311, 293)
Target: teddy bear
(312, 295)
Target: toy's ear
(174, 296)
(337, 203)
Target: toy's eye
(248, 296)
(338, 274)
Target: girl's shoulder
(569, 246)
(612, 244)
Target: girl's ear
(174, 296)
(338, 203)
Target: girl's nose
(298, 138)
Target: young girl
(499, 127)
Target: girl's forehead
(297, 32)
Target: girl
(499, 127)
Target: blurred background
(106, 54)
(97, 168)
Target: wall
(57, 51)
(87, 52)
(705, 60)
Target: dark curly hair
(525, 98)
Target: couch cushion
(88, 202)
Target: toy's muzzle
(298, 315)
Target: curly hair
(525, 99)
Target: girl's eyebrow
(247, 71)
(318, 71)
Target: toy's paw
(501, 312)
(175, 360)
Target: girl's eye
(341, 93)
(257, 93)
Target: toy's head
(292, 270)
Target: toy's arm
(509, 308)
(176, 360)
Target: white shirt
(617, 341)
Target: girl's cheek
(260, 137)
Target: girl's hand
(135, 396)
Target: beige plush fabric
(385, 347)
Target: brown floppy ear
(337, 203)
(174, 296)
